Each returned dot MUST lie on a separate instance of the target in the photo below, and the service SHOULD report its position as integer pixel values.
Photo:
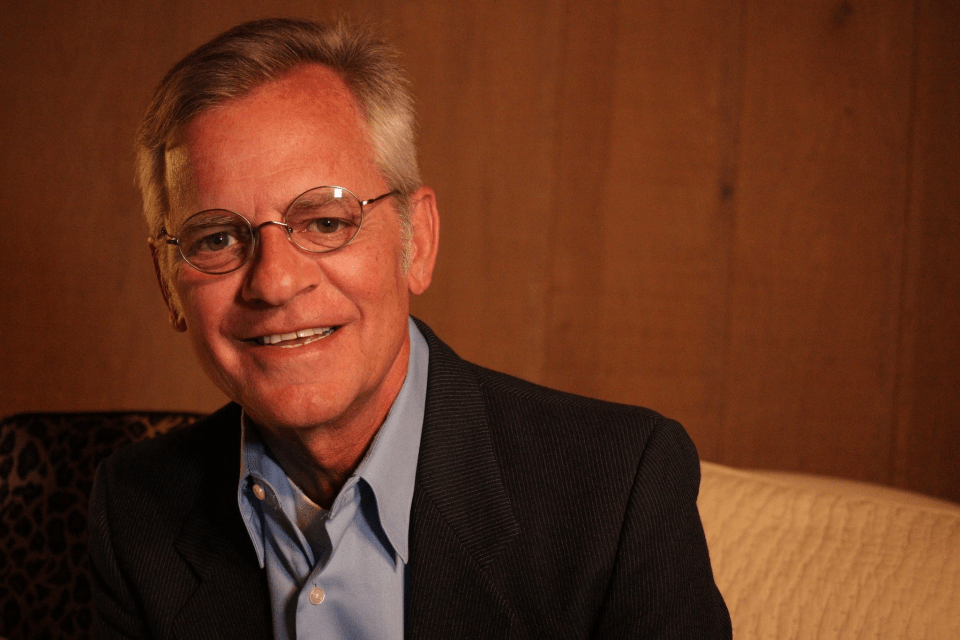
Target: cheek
(205, 301)
(368, 275)
(206, 307)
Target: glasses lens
(324, 219)
(215, 241)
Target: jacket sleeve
(662, 584)
(117, 611)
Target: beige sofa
(799, 556)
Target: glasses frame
(255, 231)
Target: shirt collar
(389, 466)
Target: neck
(319, 462)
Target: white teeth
(318, 332)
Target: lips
(295, 338)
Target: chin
(291, 408)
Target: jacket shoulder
(508, 387)
(535, 427)
(597, 428)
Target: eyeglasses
(319, 220)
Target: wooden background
(742, 213)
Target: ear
(176, 320)
(425, 239)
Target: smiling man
(365, 482)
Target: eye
(215, 241)
(326, 225)
(324, 219)
(208, 235)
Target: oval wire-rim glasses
(218, 241)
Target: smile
(296, 338)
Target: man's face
(254, 156)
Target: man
(366, 482)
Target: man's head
(298, 338)
(240, 60)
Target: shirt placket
(320, 598)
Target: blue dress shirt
(339, 574)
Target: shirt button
(316, 595)
(258, 491)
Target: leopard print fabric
(47, 462)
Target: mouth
(293, 339)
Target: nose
(278, 271)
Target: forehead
(300, 131)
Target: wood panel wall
(744, 214)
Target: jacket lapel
(230, 598)
(461, 518)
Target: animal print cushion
(46, 472)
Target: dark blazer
(536, 514)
